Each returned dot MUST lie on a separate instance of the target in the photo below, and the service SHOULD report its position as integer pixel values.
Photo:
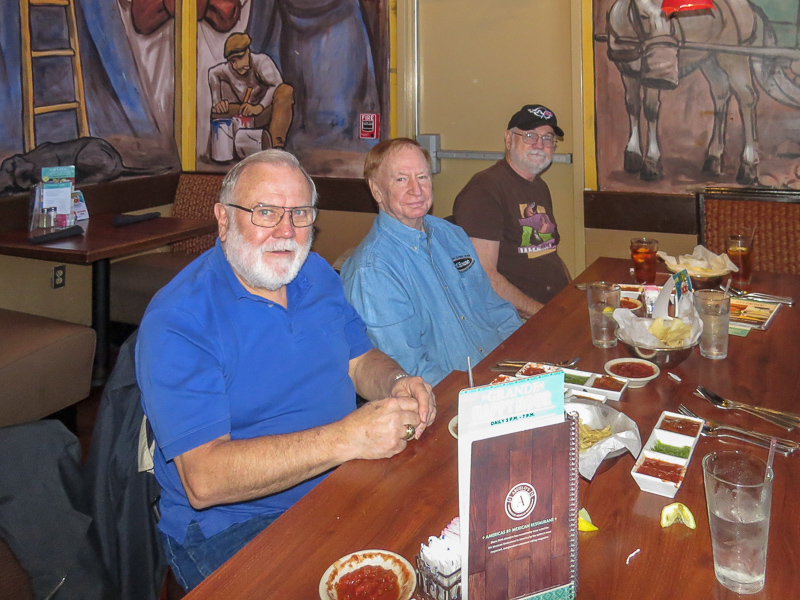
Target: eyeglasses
(531, 137)
(270, 216)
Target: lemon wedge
(608, 310)
(585, 521)
(677, 512)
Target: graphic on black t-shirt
(538, 229)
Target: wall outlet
(59, 277)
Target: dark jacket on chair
(123, 500)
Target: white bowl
(406, 576)
(452, 427)
(633, 382)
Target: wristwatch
(399, 376)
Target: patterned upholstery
(194, 199)
(774, 214)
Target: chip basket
(437, 586)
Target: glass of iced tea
(740, 251)
(643, 253)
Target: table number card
(518, 491)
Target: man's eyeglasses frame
(252, 211)
(529, 138)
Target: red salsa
(629, 303)
(682, 426)
(368, 583)
(632, 370)
(662, 470)
(530, 370)
(608, 383)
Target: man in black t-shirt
(507, 212)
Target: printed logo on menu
(520, 501)
(463, 263)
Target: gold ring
(410, 431)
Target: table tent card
(518, 490)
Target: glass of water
(714, 308)
(739, 497)
(603, 298)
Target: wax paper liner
(700, 263)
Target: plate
(594, 415)
(598, 416)
(406, 576)
(633, 382)
(452, 427)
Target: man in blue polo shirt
(249, 362)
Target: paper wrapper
(633, 330)
(700, 263)
(624, 435)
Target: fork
(712, 428)
(512, 366)
(784, 419)
(758, 296)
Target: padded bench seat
(45, 365)
(135, 280)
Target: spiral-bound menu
(521, 483)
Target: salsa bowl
(402, 569)
(637, 371)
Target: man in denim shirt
(415, 279)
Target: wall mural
(700, 98)
(94, 111)
(310, 76)
(307, 75)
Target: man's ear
(507, 137)
(376, 193)
(221, 213)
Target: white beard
(536, 161)
(247, 260)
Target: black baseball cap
(532, 116)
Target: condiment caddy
(662, 464)
(581, 383)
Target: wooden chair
(774, 215)
(134, 281)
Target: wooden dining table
(100, 243)
(396, 504)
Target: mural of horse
(654, 53)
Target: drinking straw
(727, 288)
(469, 368)
(753, 235)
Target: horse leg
(633, 104)
(741, 78)
(720, 88)
(651, 168)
